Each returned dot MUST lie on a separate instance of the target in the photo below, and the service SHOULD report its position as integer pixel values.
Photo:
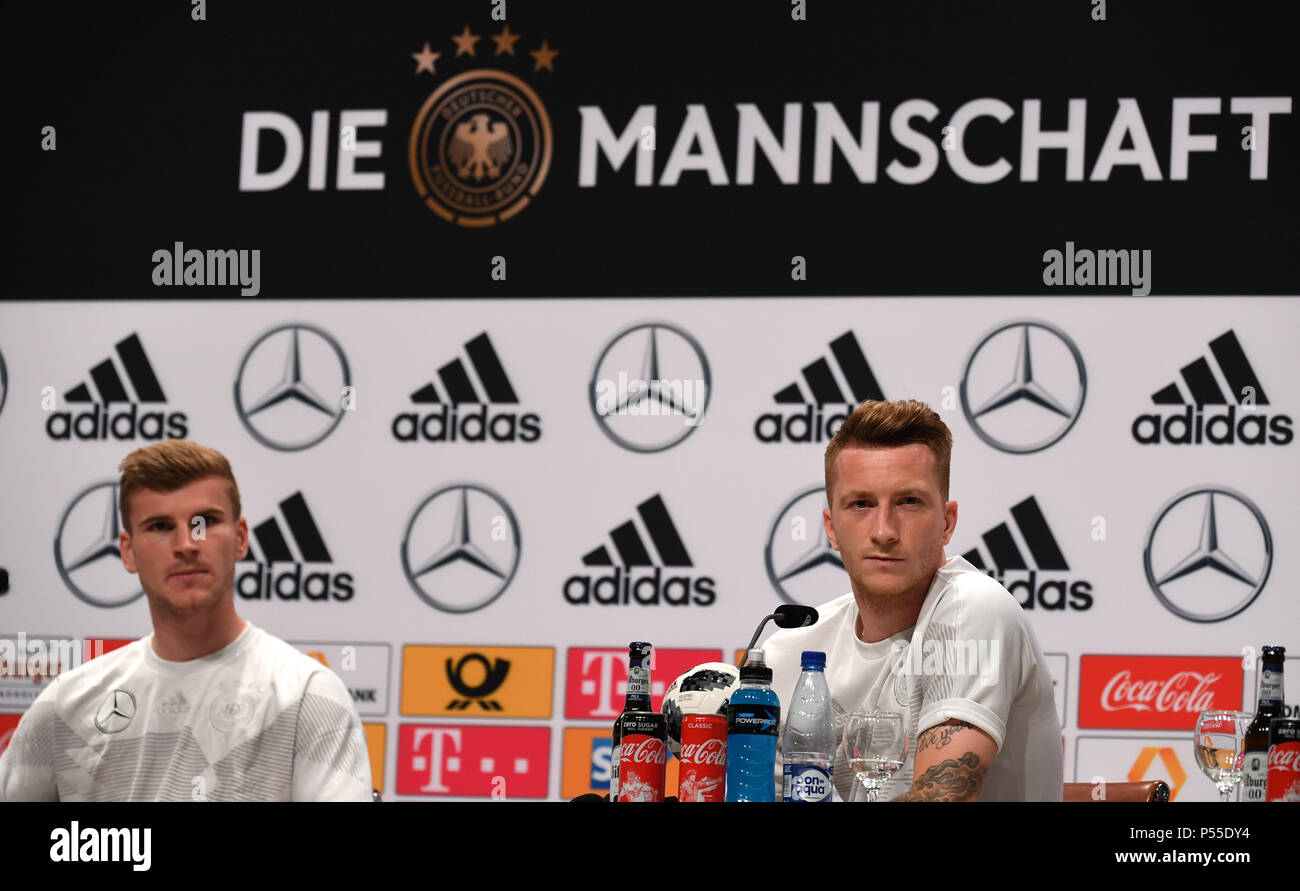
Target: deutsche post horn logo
(480, 148)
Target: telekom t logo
(609, 692)
(473, 761)
(433, 764)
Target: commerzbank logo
(479, 148)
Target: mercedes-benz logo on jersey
(86, 550)
(461, 548)
(1208, 553)
(289, 390)
(1023, 386)
(650, 387)
(116, 713)
(798, 552)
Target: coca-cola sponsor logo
(711, 751)
(1187, 691)
(1155, 692)
(1284, 757)
(647, 751)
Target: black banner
(435, 150)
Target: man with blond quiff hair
(208, 706)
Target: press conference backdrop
(598, 296)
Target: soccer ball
(702, 690)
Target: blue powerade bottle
(753, 715)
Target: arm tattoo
(941, 735)
(951, 780)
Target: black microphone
(788, 616)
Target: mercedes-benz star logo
(290, 394)
(650, 387)
(86, 550)
(798, 550)
(116, 712)
(1023, 386)
(461, 548)
(1208, 554)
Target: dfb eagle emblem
(478, 149)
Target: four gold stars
(425, 59)
(505, 41)
(543, 57)
(465, 41)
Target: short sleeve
(972, 662)
(330, 759)
(27, 765)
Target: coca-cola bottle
(640, 735)
(1255, 760)
(1284, 760)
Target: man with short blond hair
(208, 706)
(923, 634)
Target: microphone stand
(753, 640)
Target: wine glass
(875, 746)
(1220, 747)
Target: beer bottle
(640, 736)
(1255, 776)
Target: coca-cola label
(1284, 771)
(711, 751)
(702, 775)
(806, 782)
(1155, 692)
(642, 764)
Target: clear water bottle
(808, 749)
(753, 716)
